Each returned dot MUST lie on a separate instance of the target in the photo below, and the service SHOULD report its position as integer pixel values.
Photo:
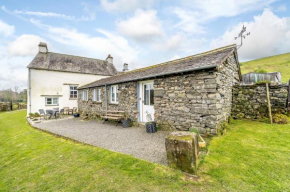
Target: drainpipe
(106, 102)
(29, 89)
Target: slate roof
(69, 63)
(206, 60)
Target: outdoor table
(52, 113)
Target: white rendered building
(53, 78)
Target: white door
(147, 101)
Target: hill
(270, 64)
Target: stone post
(182, 151)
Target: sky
(138, 32)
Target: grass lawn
(252, 156)
(270, 64)
(31, 160)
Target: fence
(4, 106)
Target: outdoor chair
(42, 113)
(75, 109)
(50, 113)
(61, 113)
(56, 112)
(65, 110)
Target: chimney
(110, 59)
(125, 67)
(42, 47)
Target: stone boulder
(182, 151)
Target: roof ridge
(77, 56)
(180, 59)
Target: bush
(280, 119)
(36, 115)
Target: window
(85, 95)
(114, 94)
(148, 94)
(51, 101)
(73, 92)
(97, 95)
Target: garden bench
(113, 115)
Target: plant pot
(126, 123)
(201, 143)
(151, 127)
(76, 115)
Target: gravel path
(133, 141)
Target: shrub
(280, 119)
(36, 115)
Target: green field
(251, 156)
(270, 64)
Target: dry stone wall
(127, 101)
(250, 101)
(199, 99)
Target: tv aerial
(242, 35)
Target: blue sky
(138, 32)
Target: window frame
(114, 98)
(97, 95)
(85, 95)
(52, 101)
(73, 90)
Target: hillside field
(270, 64)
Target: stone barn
(195, 91)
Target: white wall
(54, 84)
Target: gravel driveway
(133, 141)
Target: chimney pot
(42, 47)
(110, 59)
(125, 67)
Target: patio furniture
(70, 111)
(65, 110)
(49, 112)
(42, 113)
(113, 115)
(61, 113)
(56, 113)
(75, 109)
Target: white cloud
(91, 14)
(5, 29)
(126, 5)
(270, 35)
(13, 70)
(45, 14)
(195, 13)
(25, 45)
(98, 46)
(143, 26)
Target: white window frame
(114, 98)
(73, 90)
(85, 95)
(53, 103)
(97, 95)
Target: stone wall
(199, 99)
(250, 101)
(127, 101)
(227, 77)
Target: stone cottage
(195, 91)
